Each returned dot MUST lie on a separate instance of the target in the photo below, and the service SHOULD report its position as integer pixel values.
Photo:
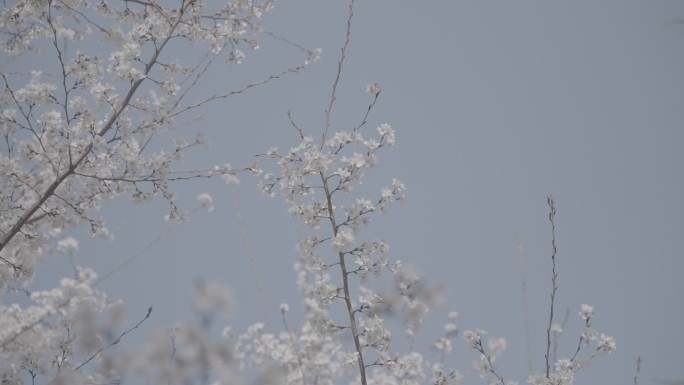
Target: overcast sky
(497, 105)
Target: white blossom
(607, 343)
(588, 335)
(344, 239)
(373, 88)
(387, 133)
(586, 312)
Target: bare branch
(333, 94)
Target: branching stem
(345, 284)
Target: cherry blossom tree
(81, 129)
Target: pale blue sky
(496, 105)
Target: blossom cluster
(565, 369)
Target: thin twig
(333, 94)
(137, 255)
(117, 340)
(478, 346)
(638, 369)
(299, 130)
(554, 277)
(365, 116)
(267, 79)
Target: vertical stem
(345, 284)
(554, 277)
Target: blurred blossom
(206, 201)
(472, 337)
(67, 245)
(213, 296)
